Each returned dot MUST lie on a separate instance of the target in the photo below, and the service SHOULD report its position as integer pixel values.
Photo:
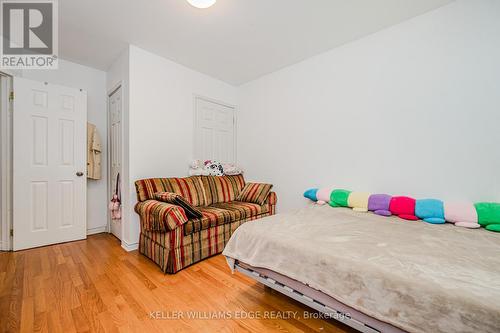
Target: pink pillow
(468, 225)
(404, 207)
(323, 195)
(455, 212)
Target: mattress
(412, 275)
(323, 298)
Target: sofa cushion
(160, 216)
(241, 210)
(222, 213)
(222, 188)
(191, 188)
(176, 199)
(254, 192)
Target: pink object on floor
(456, 212)
(323, 195)
(469, 225)
(404, 207)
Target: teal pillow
(311, 194)
(434, 220)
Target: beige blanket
(416, 276)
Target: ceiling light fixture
(201, 3)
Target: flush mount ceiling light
(201, 3)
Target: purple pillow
(379, 204)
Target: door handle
(79, 173)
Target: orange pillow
(254, 193)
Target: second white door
(214, 131)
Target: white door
(115, 147)
(49, 164)
(214, 131)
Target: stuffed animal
(214, 168)
(323, 195)
(358, 201)
(430, 210)
(462, 214)
(196, 168)
(231, 169)
(338, 198)
(311, 194)
(488, 215)
(404, 207)
(379, 204)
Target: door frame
(110, 92)
(6, 160)
(197, 97)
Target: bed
(387, 274)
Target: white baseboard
(129, 247)
(97, 230)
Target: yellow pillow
(358, 201)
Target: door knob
(79, 173)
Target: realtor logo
(29, 34)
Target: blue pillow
(430, 210)
(311, 194)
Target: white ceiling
(235, 40)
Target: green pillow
(488, 213)
(338, 198)
(493, 227)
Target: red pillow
(404, 207)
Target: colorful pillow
(323, 195)
(488, 213)
(404, 207)
(493, 227)
(311, 194)
(338, 198)
(468, 225)
(379, 204)
(430, 210)
(255, 193)
(176, 199)
(358, 201)
(462, 214)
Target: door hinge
(11, 96)
(11, 232)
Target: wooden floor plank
(96, 286)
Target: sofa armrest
(272, 199)
(160, 216)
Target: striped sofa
(173, 239)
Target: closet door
(49, 164)
(215, 133)
(115, 146)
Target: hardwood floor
(96, 286)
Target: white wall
(94, 82)
(160, 123)
(414, 109)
